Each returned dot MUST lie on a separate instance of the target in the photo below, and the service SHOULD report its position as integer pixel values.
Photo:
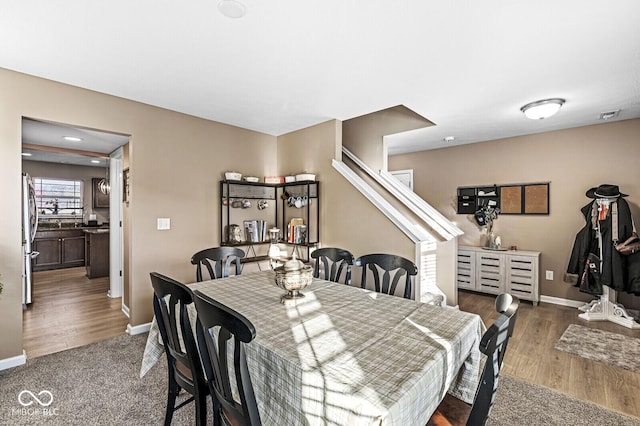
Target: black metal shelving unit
(278, 213)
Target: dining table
(342, 355)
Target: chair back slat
(218, 328)
(494, 346)
(394, 267)
(217, 261)
(170, 304)
(330, 262)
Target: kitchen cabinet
(494, 272)
(249, 209)
(97, 252)
(63, 248)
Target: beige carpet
(523, 403)
(602, 346)
(99, 385)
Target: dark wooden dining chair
(454, 412)
(170, 302)
(389, 263)
(217, 261)
(505, 304)
(217, 327)
(331, 262)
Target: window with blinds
(58, 197)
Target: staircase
(434, 236)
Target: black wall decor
(521, 198)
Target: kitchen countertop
(95, 230)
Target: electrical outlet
(549, 275)
(164, 223)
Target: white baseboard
(13, 361)
(125, 309)
(563, 302)
(138, 329)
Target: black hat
(605, 191)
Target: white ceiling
(38, 134)
(288, 64)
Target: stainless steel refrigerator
(29, 227)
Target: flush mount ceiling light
(72, 139)
(231, 8)
(26, 154)
(95, 161)
(542, 109)
(449, 139)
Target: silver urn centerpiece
(293, 276)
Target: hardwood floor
(69, 310)
(532, 357)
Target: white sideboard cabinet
(491, 271)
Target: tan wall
(70, 171)
(348, 219)
(572, 160)
(176, 162)
(10, 227)
(363, 135)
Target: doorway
(76, 302)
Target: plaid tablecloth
(347, 356)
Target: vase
(491, 241)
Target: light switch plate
(164, 223)
(549, 275)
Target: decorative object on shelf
(232, 176)
(484, 217)
(289, 179)
(305, 176)
(255, 230)
(234, 234)
(274, 179)
(297, 233)
(298, 202)
(252, 179)
(293, 276)
(274, 249)
(263, 204)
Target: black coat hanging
(619, 272)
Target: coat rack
(605, 308)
